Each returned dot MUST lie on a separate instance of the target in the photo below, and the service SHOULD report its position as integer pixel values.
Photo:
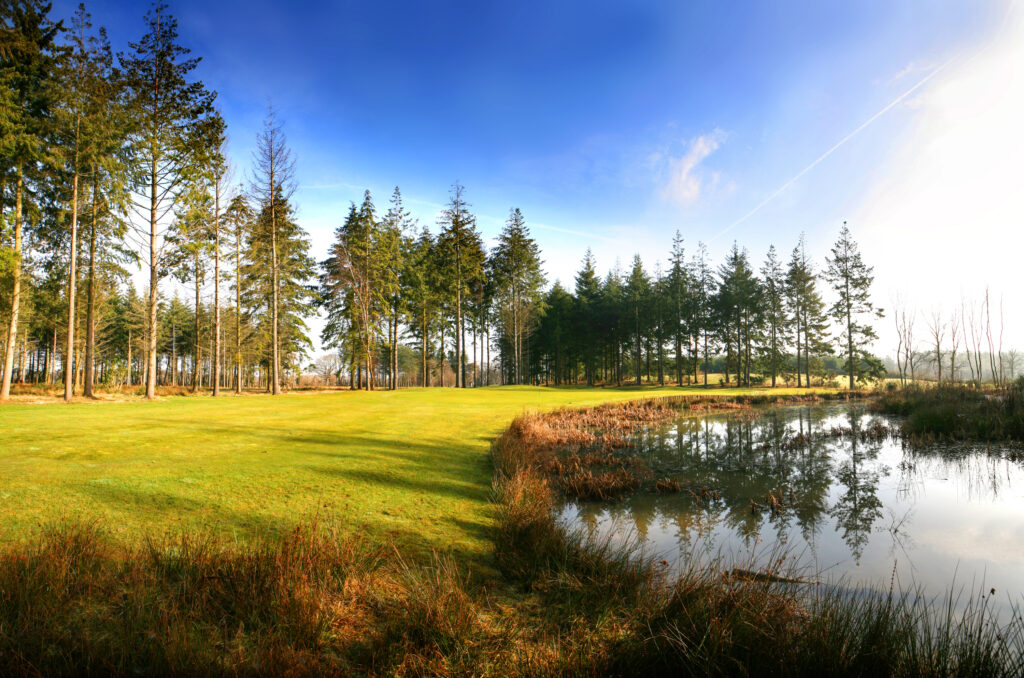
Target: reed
(958, 412)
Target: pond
(856, 510)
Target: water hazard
(854, 509)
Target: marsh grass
(958, 412)
(586, 453)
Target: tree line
(114, 161)
(389, 284)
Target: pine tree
(73, 123)
(272, 187)
(773, 304)
(807, 310)
(167, 109)
(614, 323)
(190, 241)
(28, 72)
(238, 220)
(638, 289)
(851, 280)
(212, 167)
(588, 291)
(419, 289)
(515, 268)
(110, 178)
(702, 308)
(278, 271)
(739, 312)
(354, 285)
(462, 258)
(678, 290)
(393, 249)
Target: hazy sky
(611, 125)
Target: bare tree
(955, 328)
(898, 315)
(936, 330)
(328, 368)
(906, 353)
(972, 329)
(995, 352)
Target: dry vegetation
(959, 412)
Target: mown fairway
(408, 465)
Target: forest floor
(409, 467)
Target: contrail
(830, 151)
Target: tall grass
(959, 412)
(312, 603)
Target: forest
(114, 171)
(112, 163)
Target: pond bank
(711, 622)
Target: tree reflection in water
(778, 480)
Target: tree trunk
(216, 290)
(458, 333)
(90, 303)
(51, 376)
(849, 339)
(153, 281)
(174, 354)
(12, 328)
(69, 374)
(238, 313)
(195, 329)
(423, 351)
(128, 377)
(276, 367)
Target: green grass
(409, 466)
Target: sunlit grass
(409, 466)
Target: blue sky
(610, 125)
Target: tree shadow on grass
(149, 506)
(351, 462)
(444, 488)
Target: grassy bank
(959, 412)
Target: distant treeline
(110, 161)
(387, 281)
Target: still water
(942, 518)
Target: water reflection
(856, 507)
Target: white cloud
(686, 179)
